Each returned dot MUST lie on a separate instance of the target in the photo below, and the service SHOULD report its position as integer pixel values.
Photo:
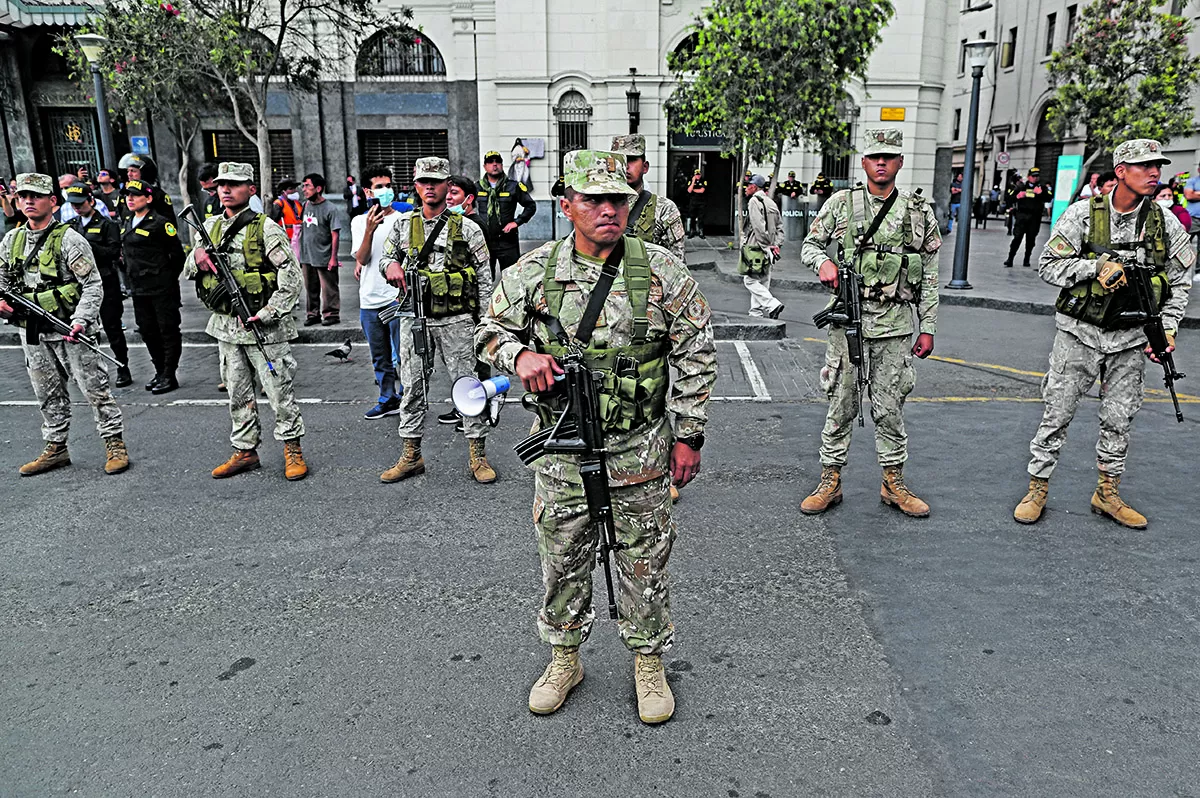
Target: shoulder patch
(167, 197)
(1059, 245)
(170, 228)
(523, 187)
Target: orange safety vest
(291, 216)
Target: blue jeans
(384, 342)
(954, 206)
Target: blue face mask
(385, 196)
(457, 210)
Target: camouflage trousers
(244, 371)
(454, 343)
(1074, 368)
(567, 542)
(892, 379)
(51, 366)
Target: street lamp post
(978, 54)
(633, 101)
(92, 45)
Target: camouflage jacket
(668, 226)
(762, 228)
(396, 246)
(74, 259)
(278, 324)
(677, 311)
(883, 319)
(1062, 265)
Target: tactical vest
(643, 228)
(891, 265)
(455, 289)
(257, 279)
(55, 292)
(635, 377)
(1088, 301)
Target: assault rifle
(578, 432)
(846, 312)
(36, 317)
(422, 337)
(1138, 275)
(227, 285)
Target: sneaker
(450, 417)
(329, 322)
(312, 320)
(382, 409)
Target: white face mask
(294, 196)
(1165, 203)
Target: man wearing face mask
(1095, 339)
(657, 326)
(451, 256)
(369, 232)
(497, 200)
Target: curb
(945, 297)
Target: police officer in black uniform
(791, 187)
(1028, 200)
(497, 202)
(153, 262)
(208, 181)
(697, 191)
(822, 189)
(142, 169)
(104, 237)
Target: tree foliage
(1126, 74)
(765, 74)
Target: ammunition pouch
(632, 390)
(257, 280)
(1116, 310)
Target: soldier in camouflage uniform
(51, 264)
(268, 273)
(899, 269)
(762, 236)
(457, 283)
(650, 441)
(1092, 339)
(658, 220)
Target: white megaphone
(472, 396)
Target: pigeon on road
(342, 353)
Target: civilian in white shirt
(369, 232)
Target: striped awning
(27, 13)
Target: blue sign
(1069, 167)
(140, 145)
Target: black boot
(165, 384)
(124, 378)
(154, 381)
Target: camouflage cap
(596, 172)
(35, 183)
(1139, 151)
(78, 192)
(234, 172)
(431, 168)
(137, 188)
(631, 146)
(883, 141)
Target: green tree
(767, 74)
(1126, 74)
(155, 60)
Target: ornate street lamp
(633, 101)
(978, 54)
(92, 46)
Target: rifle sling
(33, 323)
(876, 222)
(599, 294)
(241, 220)
(431, 241)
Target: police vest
(643, 228)
(1088, 301)
(257, 278)
(455, 289)
(635, 377)
(55, 292)
(890, 264)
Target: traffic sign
(140, 144)
(1002, 159)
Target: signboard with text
(140, 145)
(891, 114)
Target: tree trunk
(775, 171)
(264, 160)
(184, 135)
(740, 191)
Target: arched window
(399, 51)
(1049, 148)
(573, 114)
(835, 162)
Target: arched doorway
(1049, 147)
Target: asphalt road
(167, 634)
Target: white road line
(303, 401)
(756, 381)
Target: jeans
(954, 206)
(384, 342)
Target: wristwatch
(695, 442)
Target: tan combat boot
(241, 460)
(827, 494)
(480, 468)
(656, 704)
(117, 456)
(560, 677)
(1107, 501)
(895, 493)
(53, 456)
(1030, 508)
(294, 466)
(410, 464)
